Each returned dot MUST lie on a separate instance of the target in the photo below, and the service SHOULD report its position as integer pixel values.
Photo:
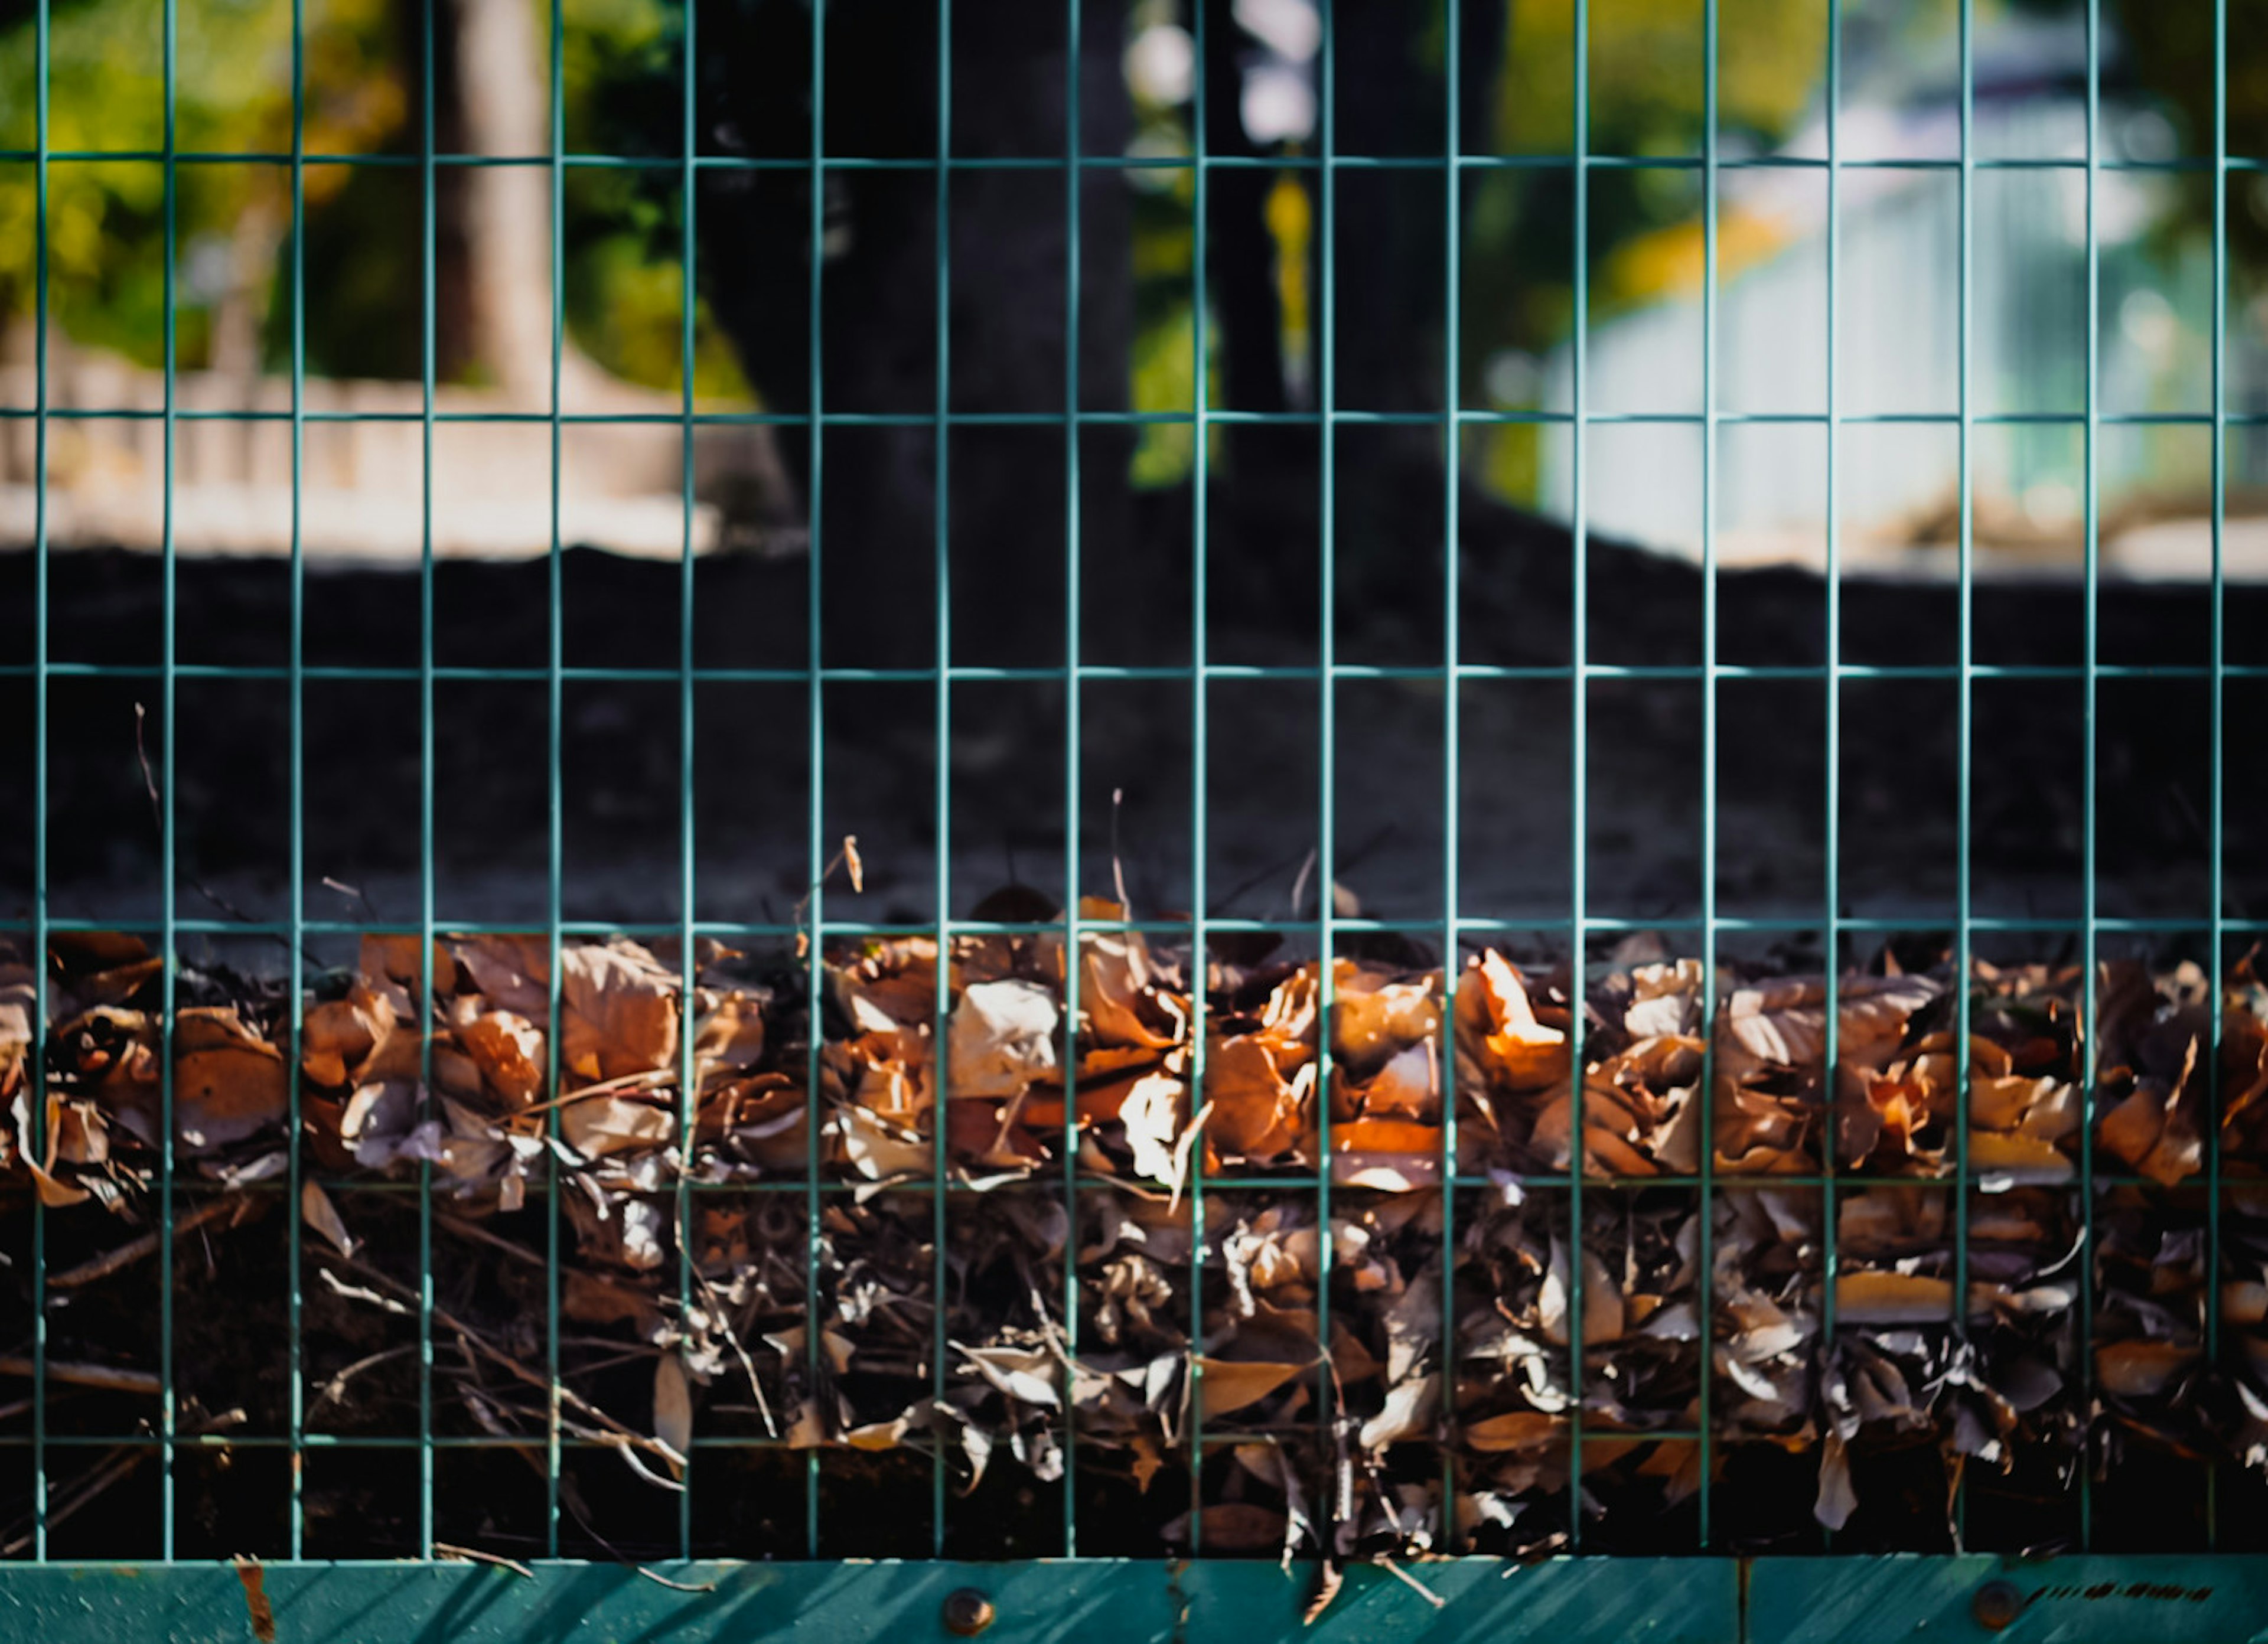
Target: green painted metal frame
(1699, 1598)
(2081, 1599)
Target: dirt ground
(622, 758)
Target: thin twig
(110, 1379)
(142, 753)
(474, 1555)
(847, 856)
(747, 1364)
(568, 1500)
(335, 1387)
(617, 1431)
(629, 1083)
(345, 888)
(113, 1466)
(1413, 1583)
(475, 1231)
(1117, 861)
(140, 1249)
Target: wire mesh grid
(1578, 926)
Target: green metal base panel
(1573, 1601)
(2173, 1599)
(2084, 1598)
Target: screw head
(968, 1613)
(1996, 1605)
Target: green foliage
(625, 285)
(623, 231)
(106, 219)
(1646, 90)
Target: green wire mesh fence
(1746, 1150)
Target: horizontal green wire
(722, 1440)
(1605, 924)
(1270, 163)
(1106, 671)
(1337, 417)
(1291, 1181)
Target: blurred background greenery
(619, 81)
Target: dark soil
(622, 760)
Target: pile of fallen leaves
(1193, 1239)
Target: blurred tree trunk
(493, 310)
(1005, 296)
(1006, 250)
(240, 315)
(1385, 244)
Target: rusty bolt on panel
(968, 1613)
(1996, 1605)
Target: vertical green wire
(1578, 783)
(297, 1395)
(1964, 710)
(1326, 752)
(942, 522)
(2215, 1009)
(1833, 589)
(555, 783)
(1072, 178)
(2090, 504)
(1709, 435)
(1200, 391)
(38, 954)
(1452, 457)
(168, 1413)
(815, 824)
(428, 365)
(688, 1072)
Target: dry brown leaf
(1406, 1087)
(730, 1034)
(2019, 1159)
(335, 1038)
(507, 1049)
(876, 1149)
(1000, 1037)
(395, 957)
(1513, 1430)
(228, 1083)
(621, 1010)
(1515, 1046)
(1408, 1414)
(1121, 1004)
(1152, 1112)
(673, 1410)
(1255, 1084)
(874, 1435)
(601, 1125)
(513, 972)
(1372, 1018)
(1603, 1300)
(1226, 1385)
(1892, 1298)
(318, 1212)
(1837, 1500)
(2141, 1369)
